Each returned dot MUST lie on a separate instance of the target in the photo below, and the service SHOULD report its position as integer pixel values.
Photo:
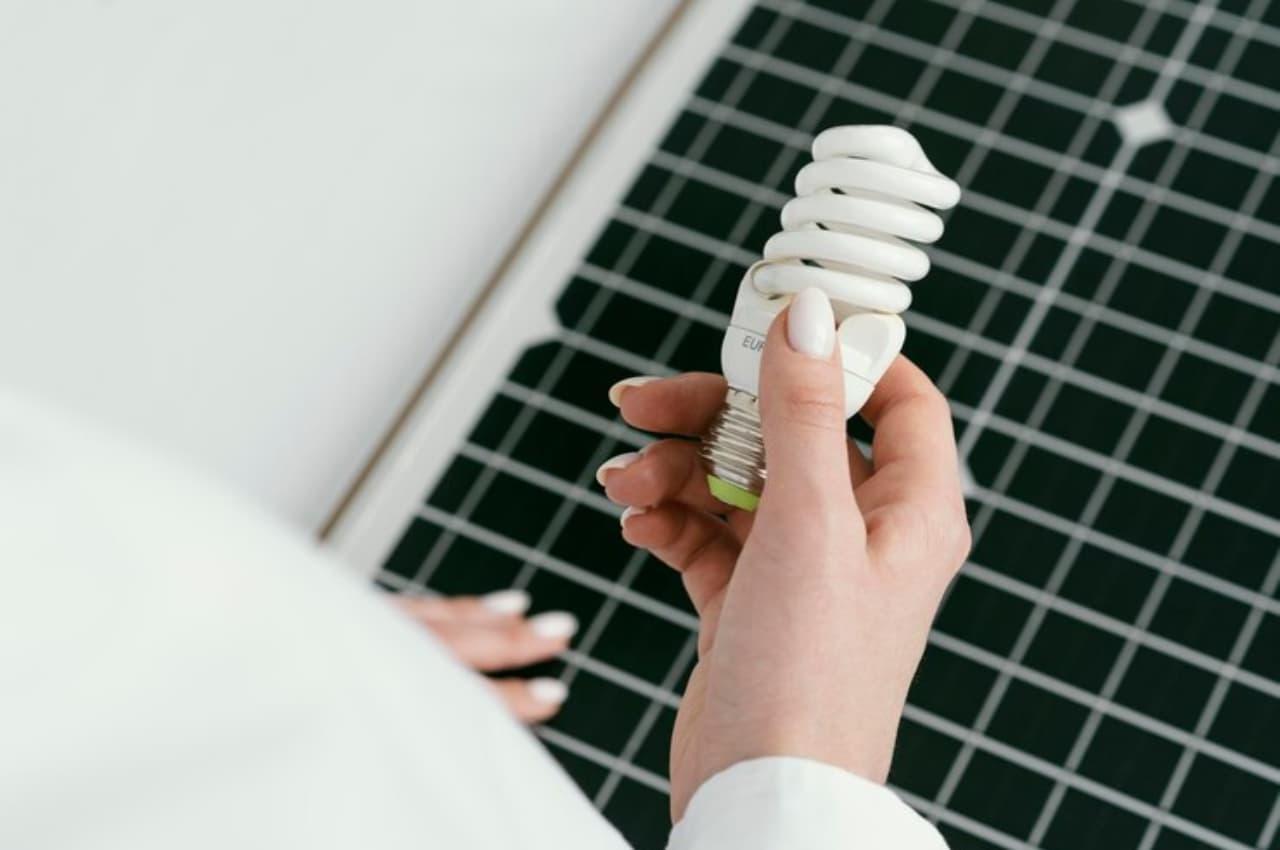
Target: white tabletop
(239, 230)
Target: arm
(815, 610)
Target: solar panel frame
(1037, 340)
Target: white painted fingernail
(622, 461)
(811, 324)
(506, 602)
(615, 391)
(548, 691)
(633, 510)
(554, 624)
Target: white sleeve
(799, 804)
(178, 670)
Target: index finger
(914, 449)
(684, 404)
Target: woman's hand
(815, 610)
(490, 633)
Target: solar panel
(1103, 314)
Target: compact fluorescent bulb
(846, 231)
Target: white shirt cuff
(798, 804)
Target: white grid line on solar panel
(945, 259)
(935, 327)
(662, 694)
(1002, 210)
(1272, 826)
(1001, 581)
(683, 660)
(996, 76)
(1220, 19)
(603, 758)
(635, 245)
(1182, 540)
(1107, 48)
(1227, 671)
(976, 828)
(1022, 510)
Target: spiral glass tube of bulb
(859, 207)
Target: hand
(815, 610)
(490, 633)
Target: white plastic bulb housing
(858, 203)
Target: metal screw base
(734, 445)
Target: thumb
(802, 407)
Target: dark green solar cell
(1108, 583)
(1085, 821)
(1166, 688)
(1037, 721)
(1141, 516)
(926, 754)
(1131, 760)
(1073, 651)
(1199, 618)
(1002, 794)
(1226, 799)
(983, 615)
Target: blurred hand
(815, 610)
(490, 633)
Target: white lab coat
(177, 670)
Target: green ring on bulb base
(731, 494)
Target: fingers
(685, 404)
(802, 409)
(435, 609)
(531, 700)
(666, 471)
(914, 445)
(697, 545)
(506, 643)
(917, 471)
(487, 633)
